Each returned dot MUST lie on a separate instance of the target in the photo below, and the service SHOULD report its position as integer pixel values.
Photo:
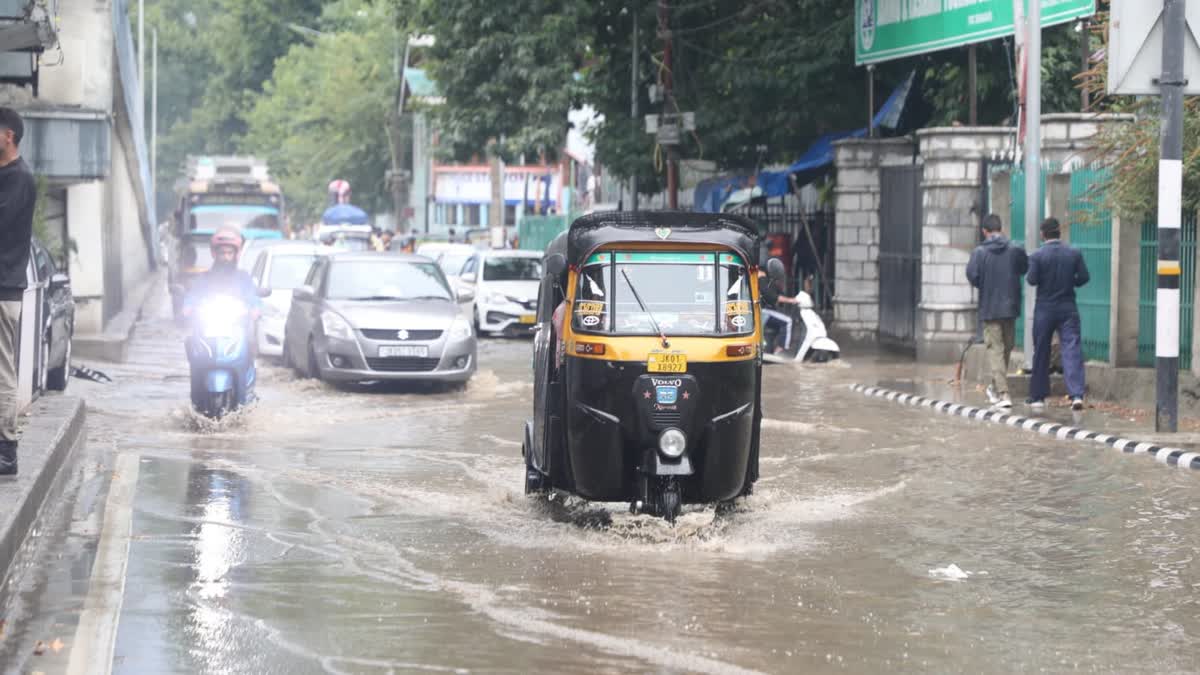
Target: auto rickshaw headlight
(672, 443)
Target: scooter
(218, 351)
(815, 343)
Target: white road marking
(96, 636)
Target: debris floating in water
(950, 572)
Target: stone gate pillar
(856, 289)
(951, 199)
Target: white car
(281, 269)
(503, 287)
(450, 257)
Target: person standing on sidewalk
(1056, 270)
(995, 269)
(18, 193)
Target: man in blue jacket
(1056, 270)
(995, 269)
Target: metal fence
(1090, 224)
(1147, 296)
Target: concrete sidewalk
(53, 428)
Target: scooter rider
(772, 298)
(224, 277)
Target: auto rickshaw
(647, 362)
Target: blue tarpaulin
(711, 194)
(344, 214)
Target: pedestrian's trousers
(998, 339)
(1065, 320)
(10, 336)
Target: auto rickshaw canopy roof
(589, 233)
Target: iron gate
(899, 254)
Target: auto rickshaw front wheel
(670, 503)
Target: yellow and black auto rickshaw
(647, 362)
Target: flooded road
(375, 530)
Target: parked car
(56, 320)
(279, 269)
(502, 286)
(254, 247)
(378, 316)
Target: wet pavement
(375, 530)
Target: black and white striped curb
(1172, 456)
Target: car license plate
(417, 351)
(528, 318)
(661, 362)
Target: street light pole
(1033, 152)
(664, 29)
(1170, 213)
(142, 54)
(154, 115)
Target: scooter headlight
(221, 317)
(335, 326)
(672, 443)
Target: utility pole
(399, 183)
(664, 32)
(972, 86)
(1085, 63)
(1170, 213)
(1033, 152)
(633, 95)
(871, 100)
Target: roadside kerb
(1170, 456)
(55, 428)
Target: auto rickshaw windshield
(684, 293)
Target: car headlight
(271, 311)
(496, 299)
(460, 329)
(672, 443)
(335, 326)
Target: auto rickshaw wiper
(636, 296)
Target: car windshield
(684, 293)
(241, 216)
(497, 268)
(386, 279)
(452, 263)
(288, 271)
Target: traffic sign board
(893, 29)
(1135, 47)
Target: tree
(324, 112)
(507, 70)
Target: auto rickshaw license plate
(661, 362)
(528, 318)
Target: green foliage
(507, 70)
(325, 111)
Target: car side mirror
(303, 293)
(776, 272)
(59, 280)
(466, 295)
(556, 265)
(264, 292)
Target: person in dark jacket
(18, 193)
(1056, 270)
(995, 269)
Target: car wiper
(368, 298)
(636, 296)
(427, 297)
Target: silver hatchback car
(378, 316)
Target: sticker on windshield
(734, 307)
(589, 308)
(590, 321)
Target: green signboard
(893, 29)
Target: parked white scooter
(816, 345)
